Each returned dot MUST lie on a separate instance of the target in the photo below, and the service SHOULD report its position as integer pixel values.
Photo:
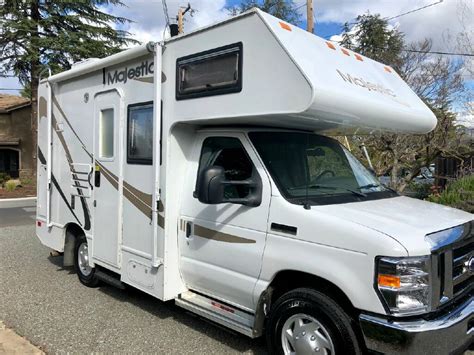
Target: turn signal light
(389, 281)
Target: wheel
(84, 271)
(305, 321)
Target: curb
(18, 202)
(12, 343)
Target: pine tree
(35, 34)
(283, 9)
(372, 37)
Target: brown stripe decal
(161, 221)
(143, 197)
(207, 233)
(85, 207)
(141, 200)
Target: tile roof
(12, 102)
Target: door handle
(188, 229)
(97, 178)
(89, 176)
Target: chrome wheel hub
(83, 259)
(303, 334)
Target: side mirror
(212, 183)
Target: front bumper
(451, 333)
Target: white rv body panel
(140, 214)
(350, 89)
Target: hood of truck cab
(405, 219)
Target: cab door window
(228, 153)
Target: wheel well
(72, 231)
(288, 280)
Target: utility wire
(165, 11)
(10, 89)
(414, 10)
(441, 53)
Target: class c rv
(200, 169)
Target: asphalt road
(18, 216)
(45, 302)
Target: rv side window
(228, 153)
(106, 136)
(214, 72)
(140, 134)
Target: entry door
(107, 154)
(221, 246)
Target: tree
(35, 34)
(372, 37)
(283, 9)
(437, 80)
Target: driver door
(221, 246)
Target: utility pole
(180, 17)
(309, 16)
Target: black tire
(87, 279)
(338, 325)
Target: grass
(458, 194)
(10, 186)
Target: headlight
(404, 284)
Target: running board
(218, 312)
(109, 279)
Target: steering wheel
(325, 172)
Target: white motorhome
(195, 170)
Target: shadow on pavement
(165, 310)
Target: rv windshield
(313, 169)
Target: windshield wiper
(369, 186)
(318, 186)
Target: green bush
(418, 190)
(26, 181)
(10, 185)
(4, 177)
(458, 194)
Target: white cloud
(436, 22)
(149, 19)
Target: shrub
(4, 177)
(26, 181)
(458, 194)
(10, 185)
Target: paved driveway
(44, 302)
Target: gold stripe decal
(207, 233)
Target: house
(16, 143)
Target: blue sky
(441, 22)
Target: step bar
(218, 312)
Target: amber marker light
(389, 281)
(285, 26)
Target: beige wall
(17, 124)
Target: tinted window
(214, 72)
(106, 134)
(140, 134)
(306, 165)
(229, 154)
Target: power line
(414, 10)
(420, 51)
(165, 11)
(441, 53)
(10, 89)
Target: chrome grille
(463, 277)
(452, 274)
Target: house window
(106, 136)
(140, 134)
(214, 72)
